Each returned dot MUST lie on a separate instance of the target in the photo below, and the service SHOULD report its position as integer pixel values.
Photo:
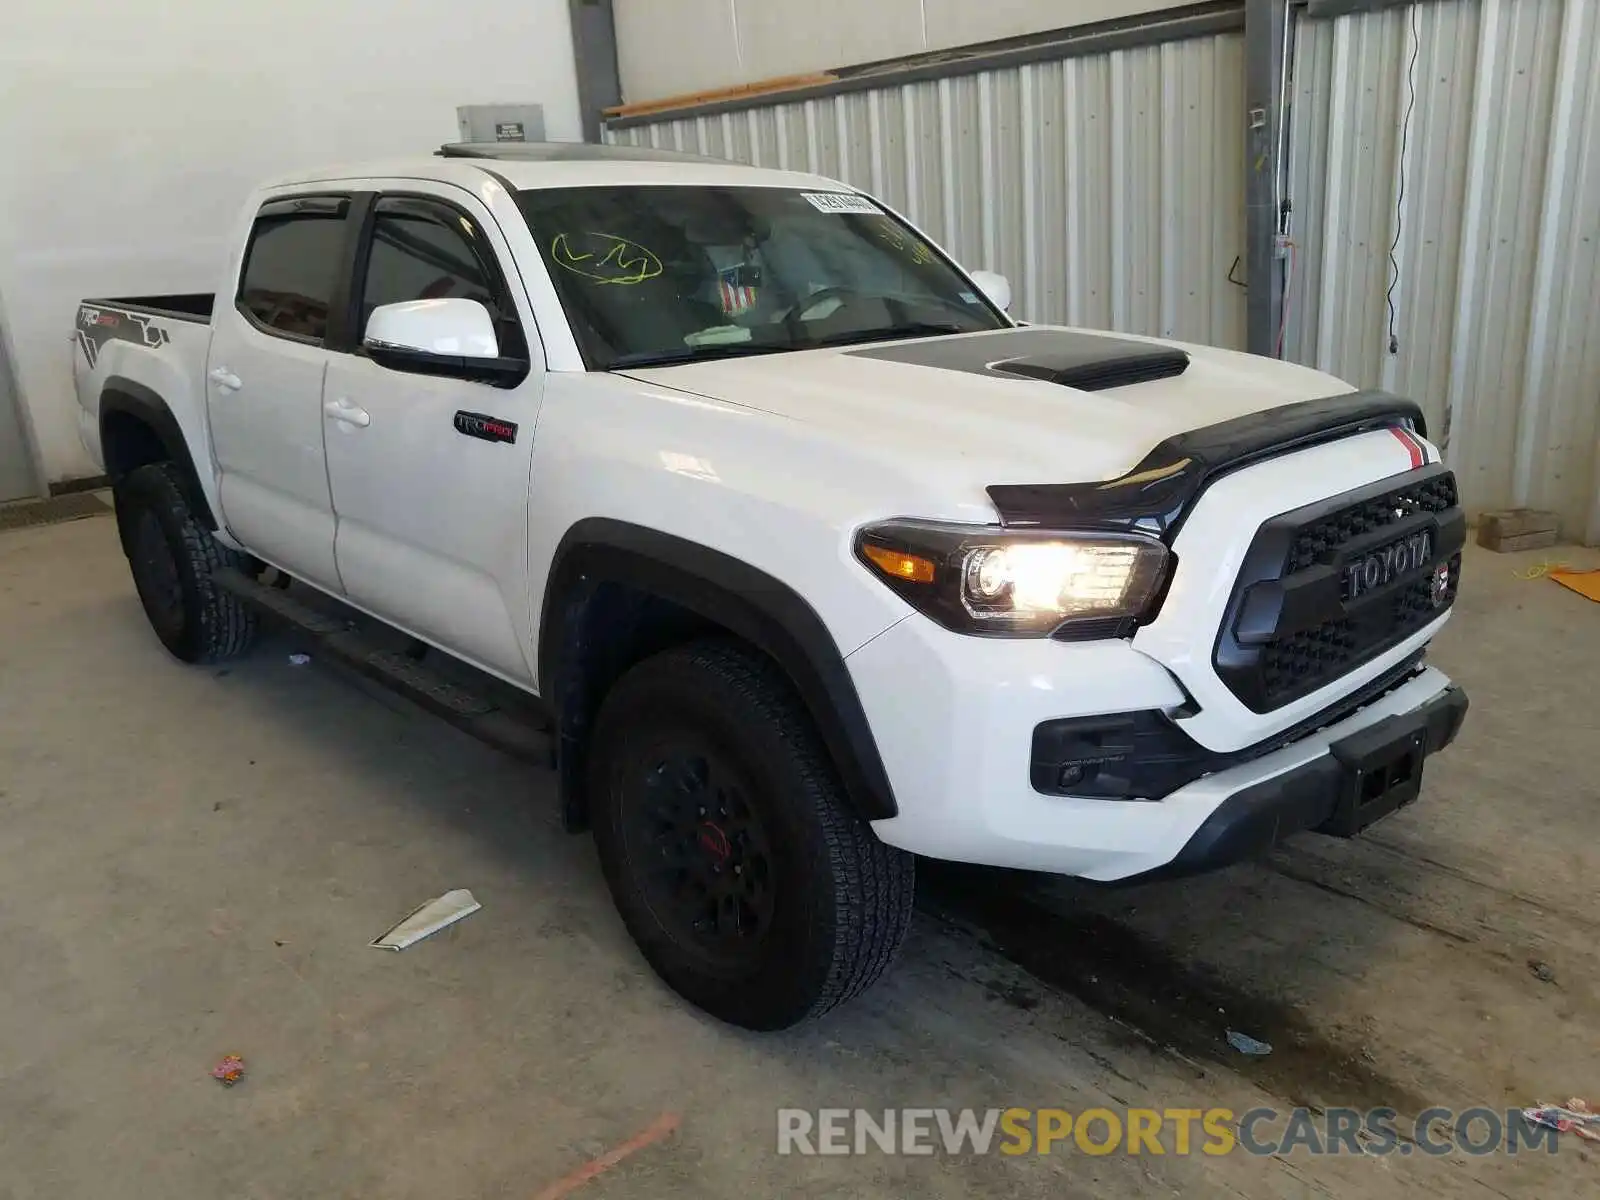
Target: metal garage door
(16, 476)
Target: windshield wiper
(712, 350)
(915, 329)
(667, 358)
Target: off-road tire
(195, 619)
(841, 900)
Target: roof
(566, 152)
(532, 165)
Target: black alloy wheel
(705, 865)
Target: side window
(291, 267)
(423, 250)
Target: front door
(264, 386)
(430, 474)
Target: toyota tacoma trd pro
(815, 559)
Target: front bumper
(954, 716)
(1250, 822)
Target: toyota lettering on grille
(1387, 563)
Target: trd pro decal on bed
(486, 428)
(97, 326)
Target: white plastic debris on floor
(429, 919)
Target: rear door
(264, 383)
(431, 473)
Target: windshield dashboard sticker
(612, 259)
(842, 202)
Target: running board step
(400, 673)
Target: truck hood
(1030, 405)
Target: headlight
(985, 580)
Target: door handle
(351, 414)
(226, 379)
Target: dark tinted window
(423, 251)
(292, 266)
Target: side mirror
(996, 287)
(452, 336)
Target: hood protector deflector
(1159, 492)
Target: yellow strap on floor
(1541, 570)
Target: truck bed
(154, 346)
(185, 306)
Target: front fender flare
(755, 606)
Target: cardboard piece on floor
(1518, 529)
(429, 919)
(1585, 583)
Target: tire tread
(872, 882)
(226, 625)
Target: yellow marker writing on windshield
(893, 235)
(612, 259)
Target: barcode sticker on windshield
(842, 202)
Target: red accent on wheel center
(714, 842)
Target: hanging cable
(1286, 57)
(1400, 195)
(1288, 285)
(1283, 241)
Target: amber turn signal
(897, 564)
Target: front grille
(1292, 629)
(1312, 542)
(1307, 659)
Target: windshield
(658, 275)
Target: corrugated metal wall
(722, 43)
(1108, 187)
(1497, 305)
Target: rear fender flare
(122, 395)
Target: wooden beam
(743, 91)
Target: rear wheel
(730, 850)
(174, 560)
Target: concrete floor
(195, 860)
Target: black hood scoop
(1112, 365)
(1086, 361)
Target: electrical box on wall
(501, 122)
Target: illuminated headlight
(1063, 579)
(979, 579)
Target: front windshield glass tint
(658, 275)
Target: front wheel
(174, 560)
(728, 845)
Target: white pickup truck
(814, 557)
